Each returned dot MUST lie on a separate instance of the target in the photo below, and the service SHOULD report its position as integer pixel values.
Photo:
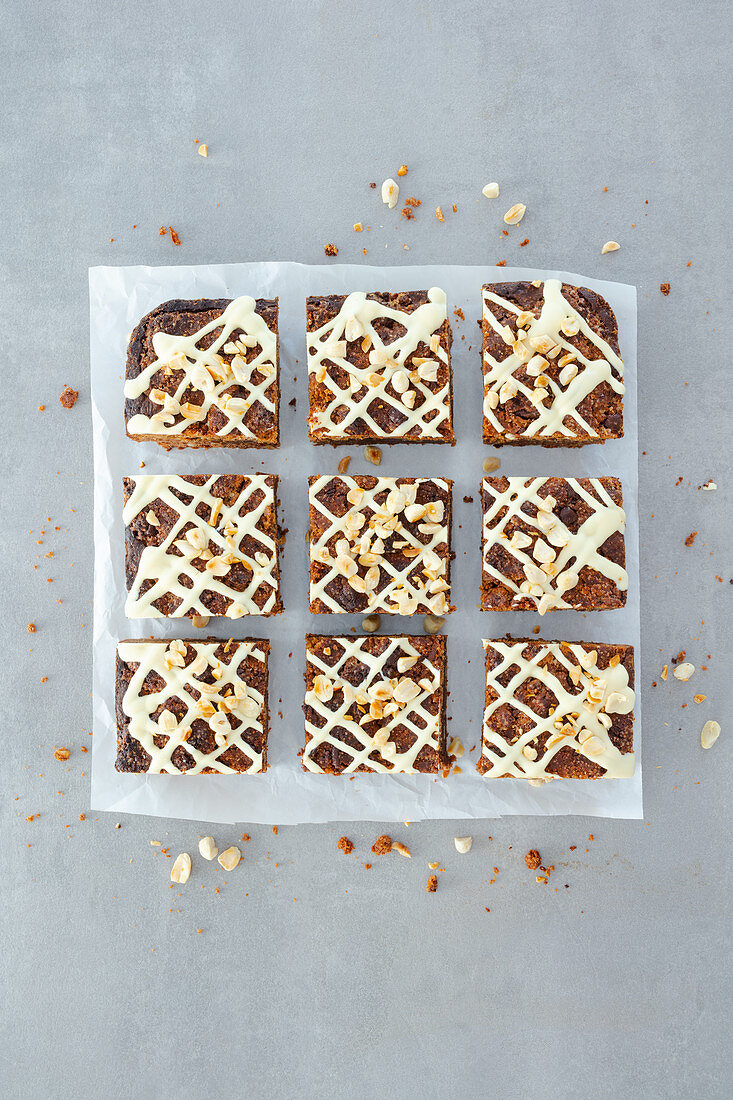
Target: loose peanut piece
(398, 847)
(208, 848)
(610, 246)
(463, 843)
(390, 193)
(181, 869)
(230, 858)
(710, 734)
(433, 624)
(491, 191)
(371, 623)
(490, 464)
(683, 671)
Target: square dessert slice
(552, 542)
(375, 704)
(558, 710)
(201, 544)
(192, 706)
(379, 544)
(552, 371)
(205, 373)
(379, 368)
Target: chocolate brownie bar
(379, 368)
(192, 706)
(558, 710)
(205, 373)
(379, 544)
(375, 704)
(552, 542)
(201, 544)
(552, 371)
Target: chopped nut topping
(181, 868)
(62, 754)
(382, 845)
(515, 213)
(390, 193)
(610, 246)
(439, 214)
(710, 734)
(402, 170)
(683, 671)
(371, 623)
(230, 858)
(373, 455)
(344, 464)
(491, 190)
(463, 843)
(397, 846)
(433, 624)
(208, 848)
(358, 227)
(533, 859)
(665, 672)
(432, 866)
(432, 884)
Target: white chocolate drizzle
(378, 700)
(212, 376)
(554, 400)
(419, 391)
(371, 545)
(551, 556)
(229, 699)
(215, 546)
(579, 721)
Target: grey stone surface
(312, 976)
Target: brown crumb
(31, 628)
(533, 859)
(382, 845)
(468, 500)
(408, 213)
(345, 845)
(174, 236)
(331, 250)
(691, 538)
(501, 263)
(358, 227)
(68, 397)
(62, 754)
(245, 837)
(535, 630)
(41, 408)
(367, 866)
(274, 829)
(439, 214)
(455, 208)
(459, 313)
(412, 201)
(162, 231)
(82, 817)
(524, 242)
(401, 171)
(432, 884)
(344, 464)
(665, 288)
(372, 185)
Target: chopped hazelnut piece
(710, 734)
(230, 858)
(463, 843)
(181, 868)
(208, 848)
(610, 246)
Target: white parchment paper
(286, 794)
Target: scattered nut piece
(665, 672)
(358, 227)
(515, 213)
(433, 866)
(397, 846)
(610, 246)
(439, 214)
(344, 464)
(174, 236)
(432, 884)
(533, 859)
(491, 190)
(181, 868)
(331, 250)
(345, 845)
(68, 397)
(203, 150)
(710, 734)
(208, 848)
(390, 193)
(373, 455)
(382, 845)
(230, 858)
(433, 624)
(709, 485)
(371, 623)
(699, 698)
(200, 620)
(62, 754)
(463, 843)
(402, 170)
(490, 464)
(683, 671)
(31, 628)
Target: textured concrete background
(309, 975)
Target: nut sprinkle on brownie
(205, 374)
(192, 706)
(200, 544)
(379, 368)
(375, 704)
(558, 710)
(379, 544)
(552, 371)
(552, 542)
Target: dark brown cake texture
(228, 397)
(557, 709)
(551, 365)
(379, 368)
(198, 544)
(379, 544)
(192, 706)
(375, 704)
(552, 542)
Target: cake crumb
(382, 845)
(691, 538)
(402, 170)
(174, 236)
(331, 250)
(31, 628)
(523, 243)
(500, 263)
(345, 845)
(665, 288)
(358, 227)
(62, 754)
(68, 397)
(432, 884)
(533, 859)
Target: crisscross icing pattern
(419, 390)
(391, 551)
(552, 556)
(579, 721)
(186, 551)
(211, 374)
(230, 707)
(547, 335)
(378, 702)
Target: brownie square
(205, 373)
(375, 704)
(200, 544)
(379, 544)
(192, 707)
(552, 371)
(558, 710)
(552, 543)
(379, 368)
